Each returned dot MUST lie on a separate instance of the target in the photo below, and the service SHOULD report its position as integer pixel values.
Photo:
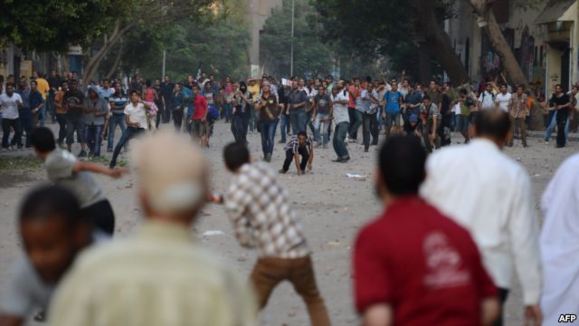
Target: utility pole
(292, 40)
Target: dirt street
(332, 207)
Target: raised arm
(81, 166)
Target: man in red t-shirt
(200, 126)
(413, 265)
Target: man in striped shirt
(299, 145)
(258, 207)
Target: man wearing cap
(159, 276)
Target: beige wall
(258, 11)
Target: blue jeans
(94, 138)
(239, 126)
(551, 123)
(321, 127)
(298, 120)
(284, 127)
(129, 133)
(340, 133)
(117, 119)
(268, 136)
(392, 119)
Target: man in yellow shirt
(43, 86)
(160, 275)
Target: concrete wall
(257, 13)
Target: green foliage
(311, 54)
(378, 29)
(52, 25)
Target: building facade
(543, 37)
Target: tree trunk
(109, 43)
(117, 62)
(499, 43)
(439, 42)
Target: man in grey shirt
(65, 169)
(94, 115)
(53, 232)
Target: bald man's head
(172, 175)
(493, 124)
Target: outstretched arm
(81, 166)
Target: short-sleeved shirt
(503, 100)
(519, 107)
(297, 97)
(59, 166)
(269, 104)
(200, 107)
(392, 101)
(430, 112)
(323, 103)
(340, 110)
(487, 100)
(9, 106)
(100, 105)
(118, 103)
(424, 265)
(363, 101)
(354, 92)
(559, 100)
(137, 114)
(74, 97)
(294, 145)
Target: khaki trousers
(521, 125)
(269, 272)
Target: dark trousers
(101, 216)
(340, 140)
(269, 272)
(298, 120)
(239, 126)
(26, 125)
(167, 111)
(562, 116)
(129, 134)
(503, 294)
(94, 139)
(355, 122)
(289, 157)
(74, 123)
(178, 119)
(8, 124)
(61, 119)
(284, 127)
(370, 127)
(268, 136)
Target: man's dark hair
(426, 97)
(134, 91)
(303, 133)
(42, 139)
(51, 201)
(235, 155)
(493, 123)
(402, 165)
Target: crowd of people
(319, 107)
(458, 222)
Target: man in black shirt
(560, 103)
(73, 103)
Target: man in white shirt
(486, 100)
(560, 242)
(503, 99)
(490, 194)
(10, 104)
(340, 100)
(136, 119)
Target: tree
(52, 25)
(410, 32)
(498, 41)
(311, 55)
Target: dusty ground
(331, 206)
